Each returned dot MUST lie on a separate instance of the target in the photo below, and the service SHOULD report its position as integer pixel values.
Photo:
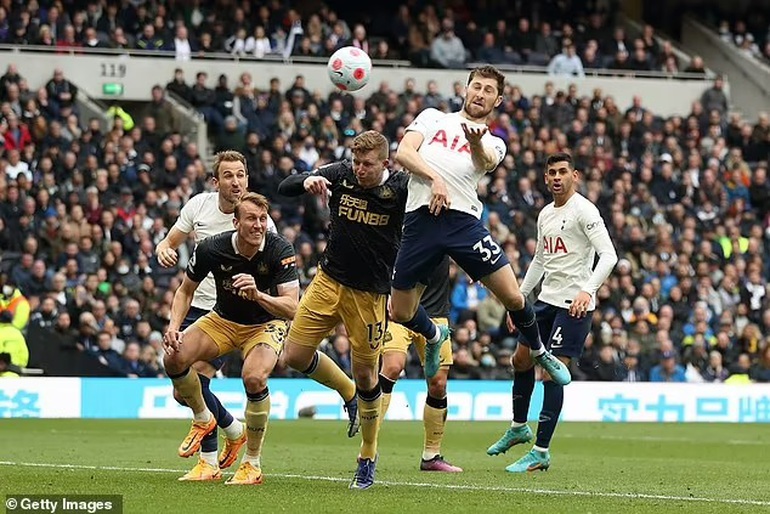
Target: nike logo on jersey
(494, 261)
(346, 184)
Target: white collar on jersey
(235, 246)
(385, 176)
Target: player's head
(483, 92)
(230, 175)
(560, 174)
(370, 157)
(251, 218)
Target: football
(349, 68)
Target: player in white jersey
(205, 215)
(570, 233)
(447, 155)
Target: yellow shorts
(398, 338)
(230, 336)
(326, 303)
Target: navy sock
(526, 322)
(422, 324)
(553, 399)
(223, 417)
(521, 392)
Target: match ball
(349, 68)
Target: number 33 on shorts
(490, 251)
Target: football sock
(369, 404)
(422, 324)
(526, 322)
(257, 415)
(188, 385)
(234, 430)
(433, 421)
(553, 399)
(324, 371)
(209, 458)
(386, 385)
(521, 393)
(209, 443)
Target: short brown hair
(228, 156)
(255, 198)
(489, 72)
(371, 140)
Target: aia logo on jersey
(441, 139)
(554, 245)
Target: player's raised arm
(485, 158)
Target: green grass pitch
(596, 468)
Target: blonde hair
(254, 198)
(371, 140)
(228, 156)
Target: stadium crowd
(568, 37)
(686, 200)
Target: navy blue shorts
(192, 316)
(564, 335)
(428, 238)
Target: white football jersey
(201, 215)
(446, 150)
(568, 239)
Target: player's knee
(255, 380)
(294, 357)
(390, 369)
(402, 314)
(365, 377)
(174, 363)
(437, 386)
(515, 301)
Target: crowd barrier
(48, 397)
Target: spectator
(567, 63)
(447, 49)
(668, 370)
(14, 353)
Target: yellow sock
(257, 416)
(189, 388)
(326, 372)
(384, 406)
(369, 414)
(433, 421)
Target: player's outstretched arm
(293, 185)
(166, 249)
(484, 158)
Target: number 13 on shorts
(376, 331)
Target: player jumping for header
(447, 155)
